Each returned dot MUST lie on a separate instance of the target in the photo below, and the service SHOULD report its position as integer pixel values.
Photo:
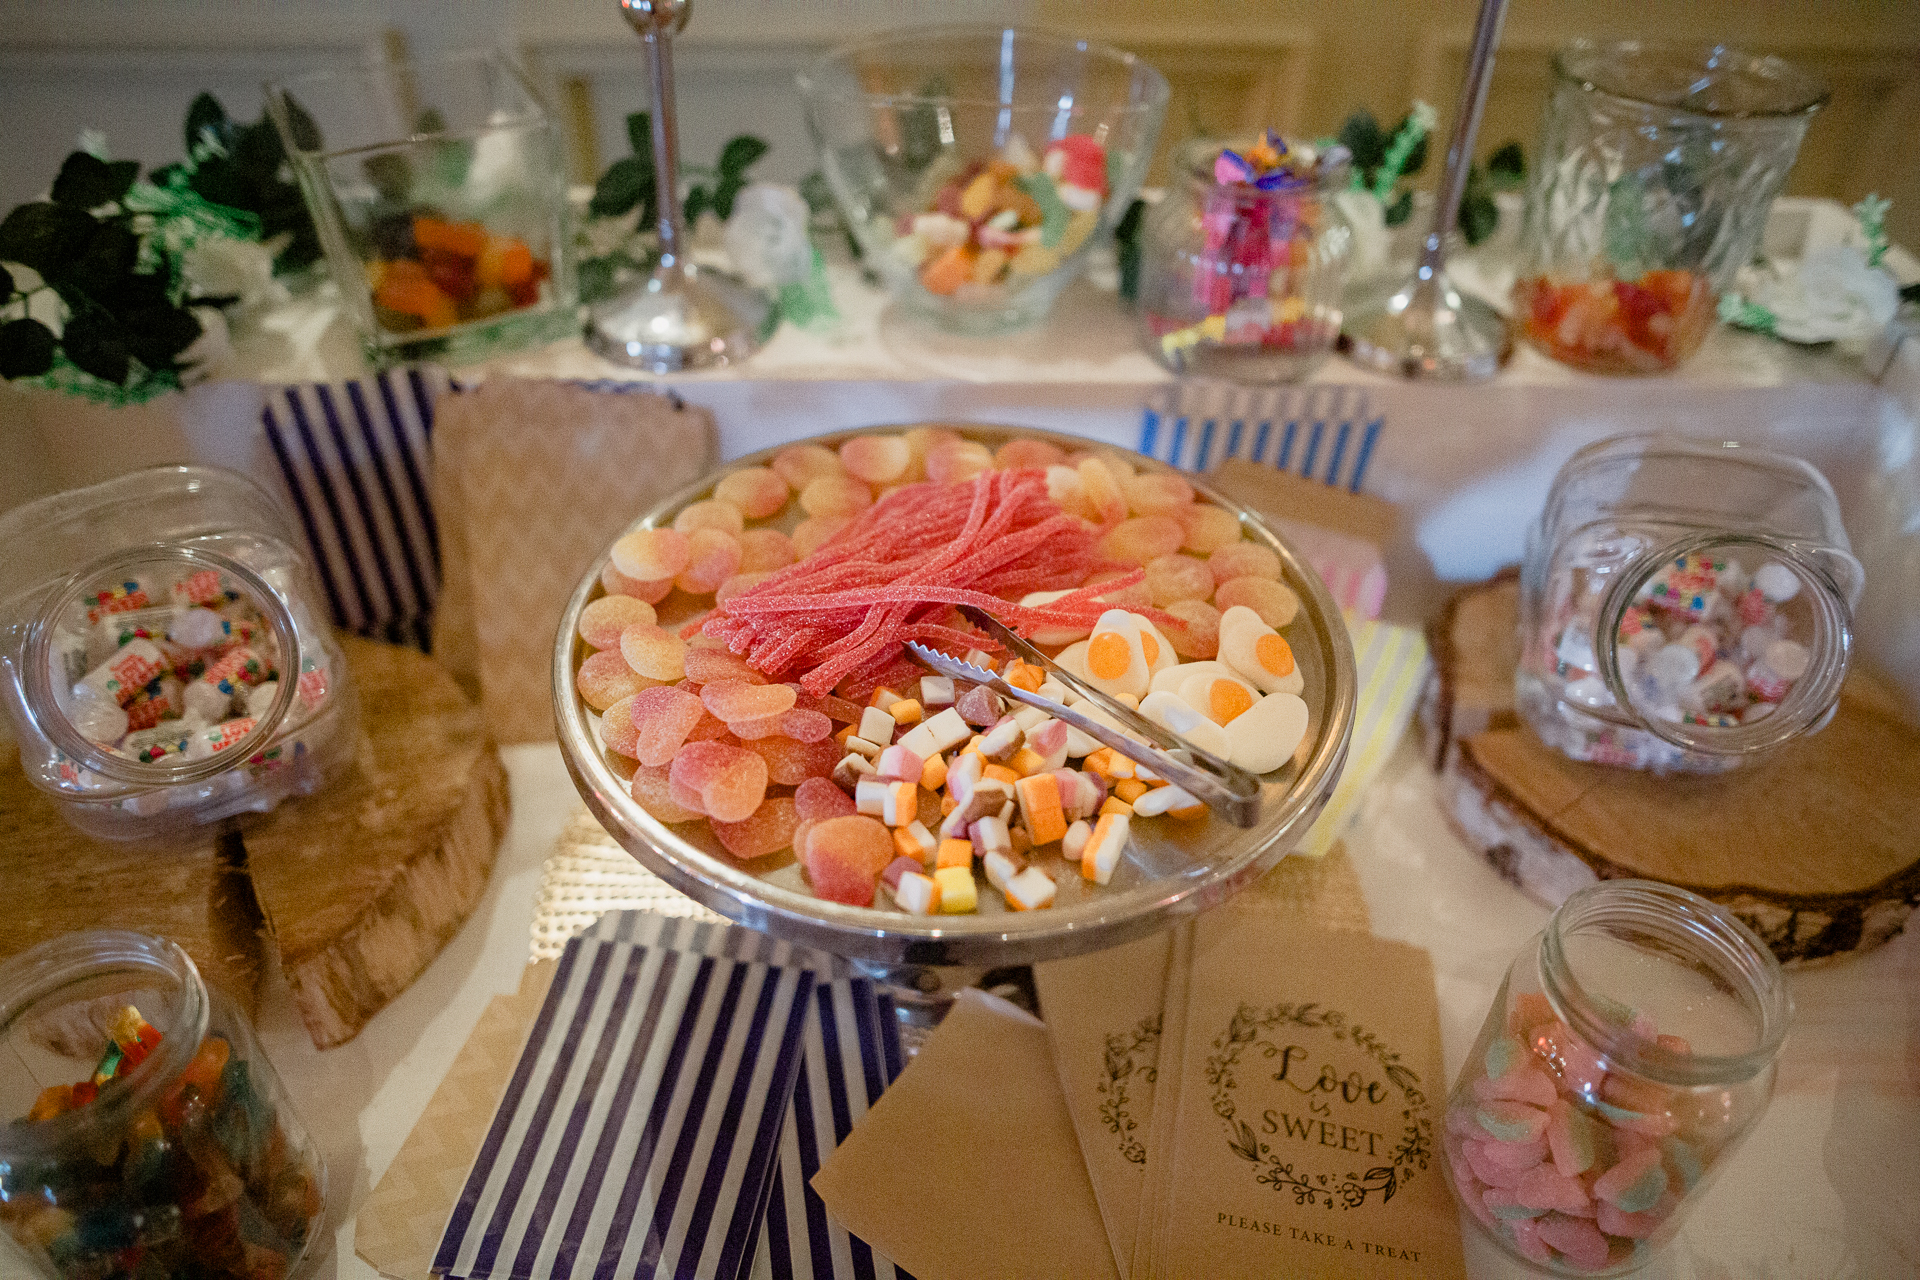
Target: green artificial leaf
(1417, 158)
(1054, 214)
(205, 113)
(640, 134)
(98, 269)
(306, 133)
(596, 279)
(1400, 210)
(221, 182)
(740, 152)
(1910, 293)
(430, 121)
(390, 175)
(1478, 216)
(695, 204)
(259, 153)
(920, 126)
(626, 183)
(6, 284)
(730, 186)
(1507, 167)
(1361, 134)
(44, 236)
(26, 349)
(815, 191)
(96, 343)
(1624, 235)
(155, 335)
(1126, 238)
(87, 182)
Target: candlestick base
(1427, 330)
(679, 319)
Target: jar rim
(1680, 77)
(43, 970)
(1705, 930)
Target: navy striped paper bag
(638, 1133)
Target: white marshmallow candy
(1257, 653)
(1172, 713)
(1266, 736)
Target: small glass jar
(439, 192)
(1629, 1050)
(1684, 606)
(1656, 168)
(1243, 283)
(145, 1132)
(159, 655)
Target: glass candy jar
(1684, 606)
(1657, 166)
(144, 1131)
(159, 653)
(1629, 1050)
(1242, 279)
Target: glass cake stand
(1172, 869)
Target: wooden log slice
(363, 882)
(1814, 846)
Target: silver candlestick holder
(1427, 328)
(680, 316)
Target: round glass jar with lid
(1242, 279)
(160, 656)
(1685, 606)
(1630, 1050)
(142, 1130)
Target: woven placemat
(588, 874)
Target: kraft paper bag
(967, 1167)
(1156, 1197)
(1309, 1102)
(1103, 1011)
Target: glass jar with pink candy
(1629, 1051)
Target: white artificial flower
(1834, 296)
(207, 356)
(767, 236)
(221, 266)
(1372, 241)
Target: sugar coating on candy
(1571, 1138)
(1635, 1183)
(714, 513)
(1505, 1203)
(1243, 560)
(1157, 494)
(1488, 1170)
(758, 492)
(1580, 1240)
(765, 549)
(766, 830)
(875, 459)
(652, 790)
(737, 700)
(663, 717)
(791, 763)
(812, 534)
(1195, 631)
(605, 678)
(619, 584)
(818, 800)
(602, 621)
(798, 723)
(1634, 1226)
(651, 555)
(730, 781)
(1142, 539)
(801, 464)
(1172, 578)
(1526, 1238)
(1515, 1156)
(653, 652)
(1526, 1083)
(617, 729)
(1274, 602)
(1502, 1056)
(951, 461)
(845, 856)
(1511, 1121)
(703, 666)
(1103, 492)
(836, 496)
(1123, 590)
(713, 556)
(1209, 528)
(1544, 1187)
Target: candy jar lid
(1762, 655)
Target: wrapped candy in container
(1684, 606)
(144, 1132)
(162, 659)
(1628, 1052)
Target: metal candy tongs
(1227, 789)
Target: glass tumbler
(440, 197)
(1243, 283)
(1685, 606)
(160, 656)
(1630, 1049)
(145, 1132)
(1657, 166)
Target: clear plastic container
(1684, 606)
(1244, 283)
(160, 657)
(185, 1160)
(1631, 1048)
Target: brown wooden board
(1815, 846)
(363, 882)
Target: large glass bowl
(1170, 870)
(900, 121)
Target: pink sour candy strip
(1635, 1183)
(1544, 1187)
(1579, 1240)
(1506, 1206)
(1526, 1238)
(1635, 1226)
(1570, 1137)
(1494, 1175)
(1511, 1121)
(1514, 1155)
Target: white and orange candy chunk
(1101, 853)
(1257, 652)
